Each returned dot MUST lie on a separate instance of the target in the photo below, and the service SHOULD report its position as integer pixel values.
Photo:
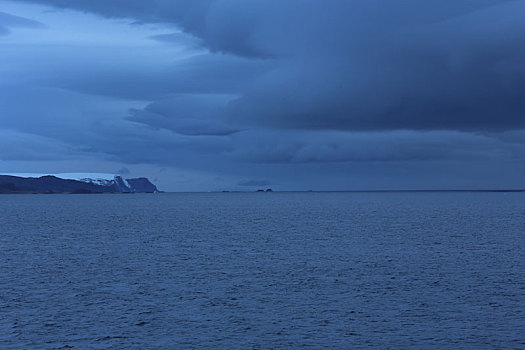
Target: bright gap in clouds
(69, 27)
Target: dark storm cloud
(358, 65)
(186, 115)
(300, 92)
(329, 146)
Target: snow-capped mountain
(72, 183)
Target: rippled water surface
(263, 270)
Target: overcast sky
(203, 95)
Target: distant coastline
(376, 191)
(73, 183)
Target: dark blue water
(263, 270)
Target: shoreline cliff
(73, 183)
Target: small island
(74, 183)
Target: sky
(211, 95)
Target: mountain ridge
(74, 183)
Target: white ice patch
(126, 182)
(95, 178)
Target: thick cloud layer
(367, 65)
(256, 89)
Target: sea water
(263, 271)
